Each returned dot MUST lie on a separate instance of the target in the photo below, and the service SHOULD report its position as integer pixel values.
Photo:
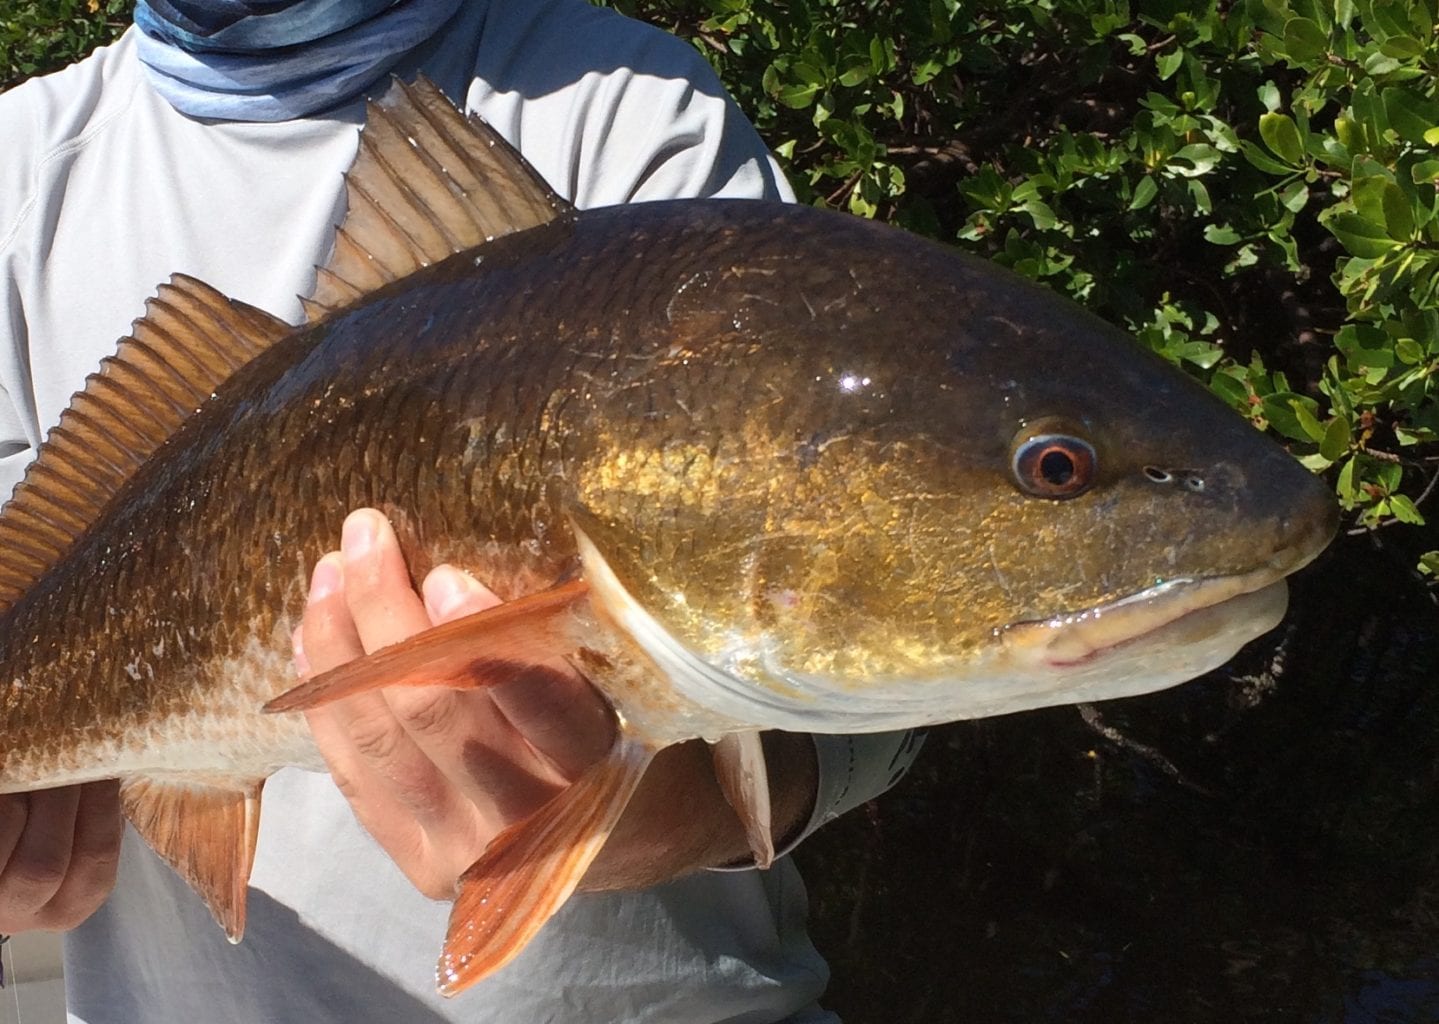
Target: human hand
(434, 773)
(59, 851)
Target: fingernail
(446, 588)
(327, 578)
(358, 535)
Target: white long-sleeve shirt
(105, 190)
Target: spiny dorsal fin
(428, 182)
(189, 341)
(207, 833)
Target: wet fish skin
(686, 379)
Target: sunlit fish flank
(750, 466)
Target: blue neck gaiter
(274, 60)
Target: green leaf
(1336, 439)
(1382, 202)
(1410, 114)
(1269, 96)
(1359, 235)
(1425, 172)
(1200, 195)
(1344, 485)
(798, 96)
(1429, 563)
(1308, 422)
(1294, 195)
(1168, 63)
(1405, 510)
(1401, 47)
(1144, 193)
(1281, 135)
(1221, 234)
(1304, 40)
(1409, 351)
(1262, 160)
(1281, 409)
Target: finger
(382, 601)
(14, 809)
(37, 865)
(359, 735)
(451, 593)
(94, 858)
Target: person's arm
(435, 774)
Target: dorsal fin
(189, 341)
(428, 182)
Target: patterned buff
(252, 60)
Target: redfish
(749, 466)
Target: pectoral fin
(206, 832)
(744, 780)
(475, 651)
(530, 869)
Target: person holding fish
(211, 139)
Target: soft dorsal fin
(207, 833)
(189, 341)
(427, 183)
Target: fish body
(811, 473)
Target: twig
(1091, 717)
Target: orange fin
(744, 780)
(530, 869)
(525, 631)
(427, 182)
(205, 832)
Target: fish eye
(1054, 465)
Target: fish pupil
(1057, 467)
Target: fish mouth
(1217, 612)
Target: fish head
(910, 487)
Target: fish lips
(1177, 629)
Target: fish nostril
(1194, 483)
(1159, 476)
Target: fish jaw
(1162, 636)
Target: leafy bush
(1249, 187)
(37, 36)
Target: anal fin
(526, 631)
(206, 832)
(530, 869)
(744, 780)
